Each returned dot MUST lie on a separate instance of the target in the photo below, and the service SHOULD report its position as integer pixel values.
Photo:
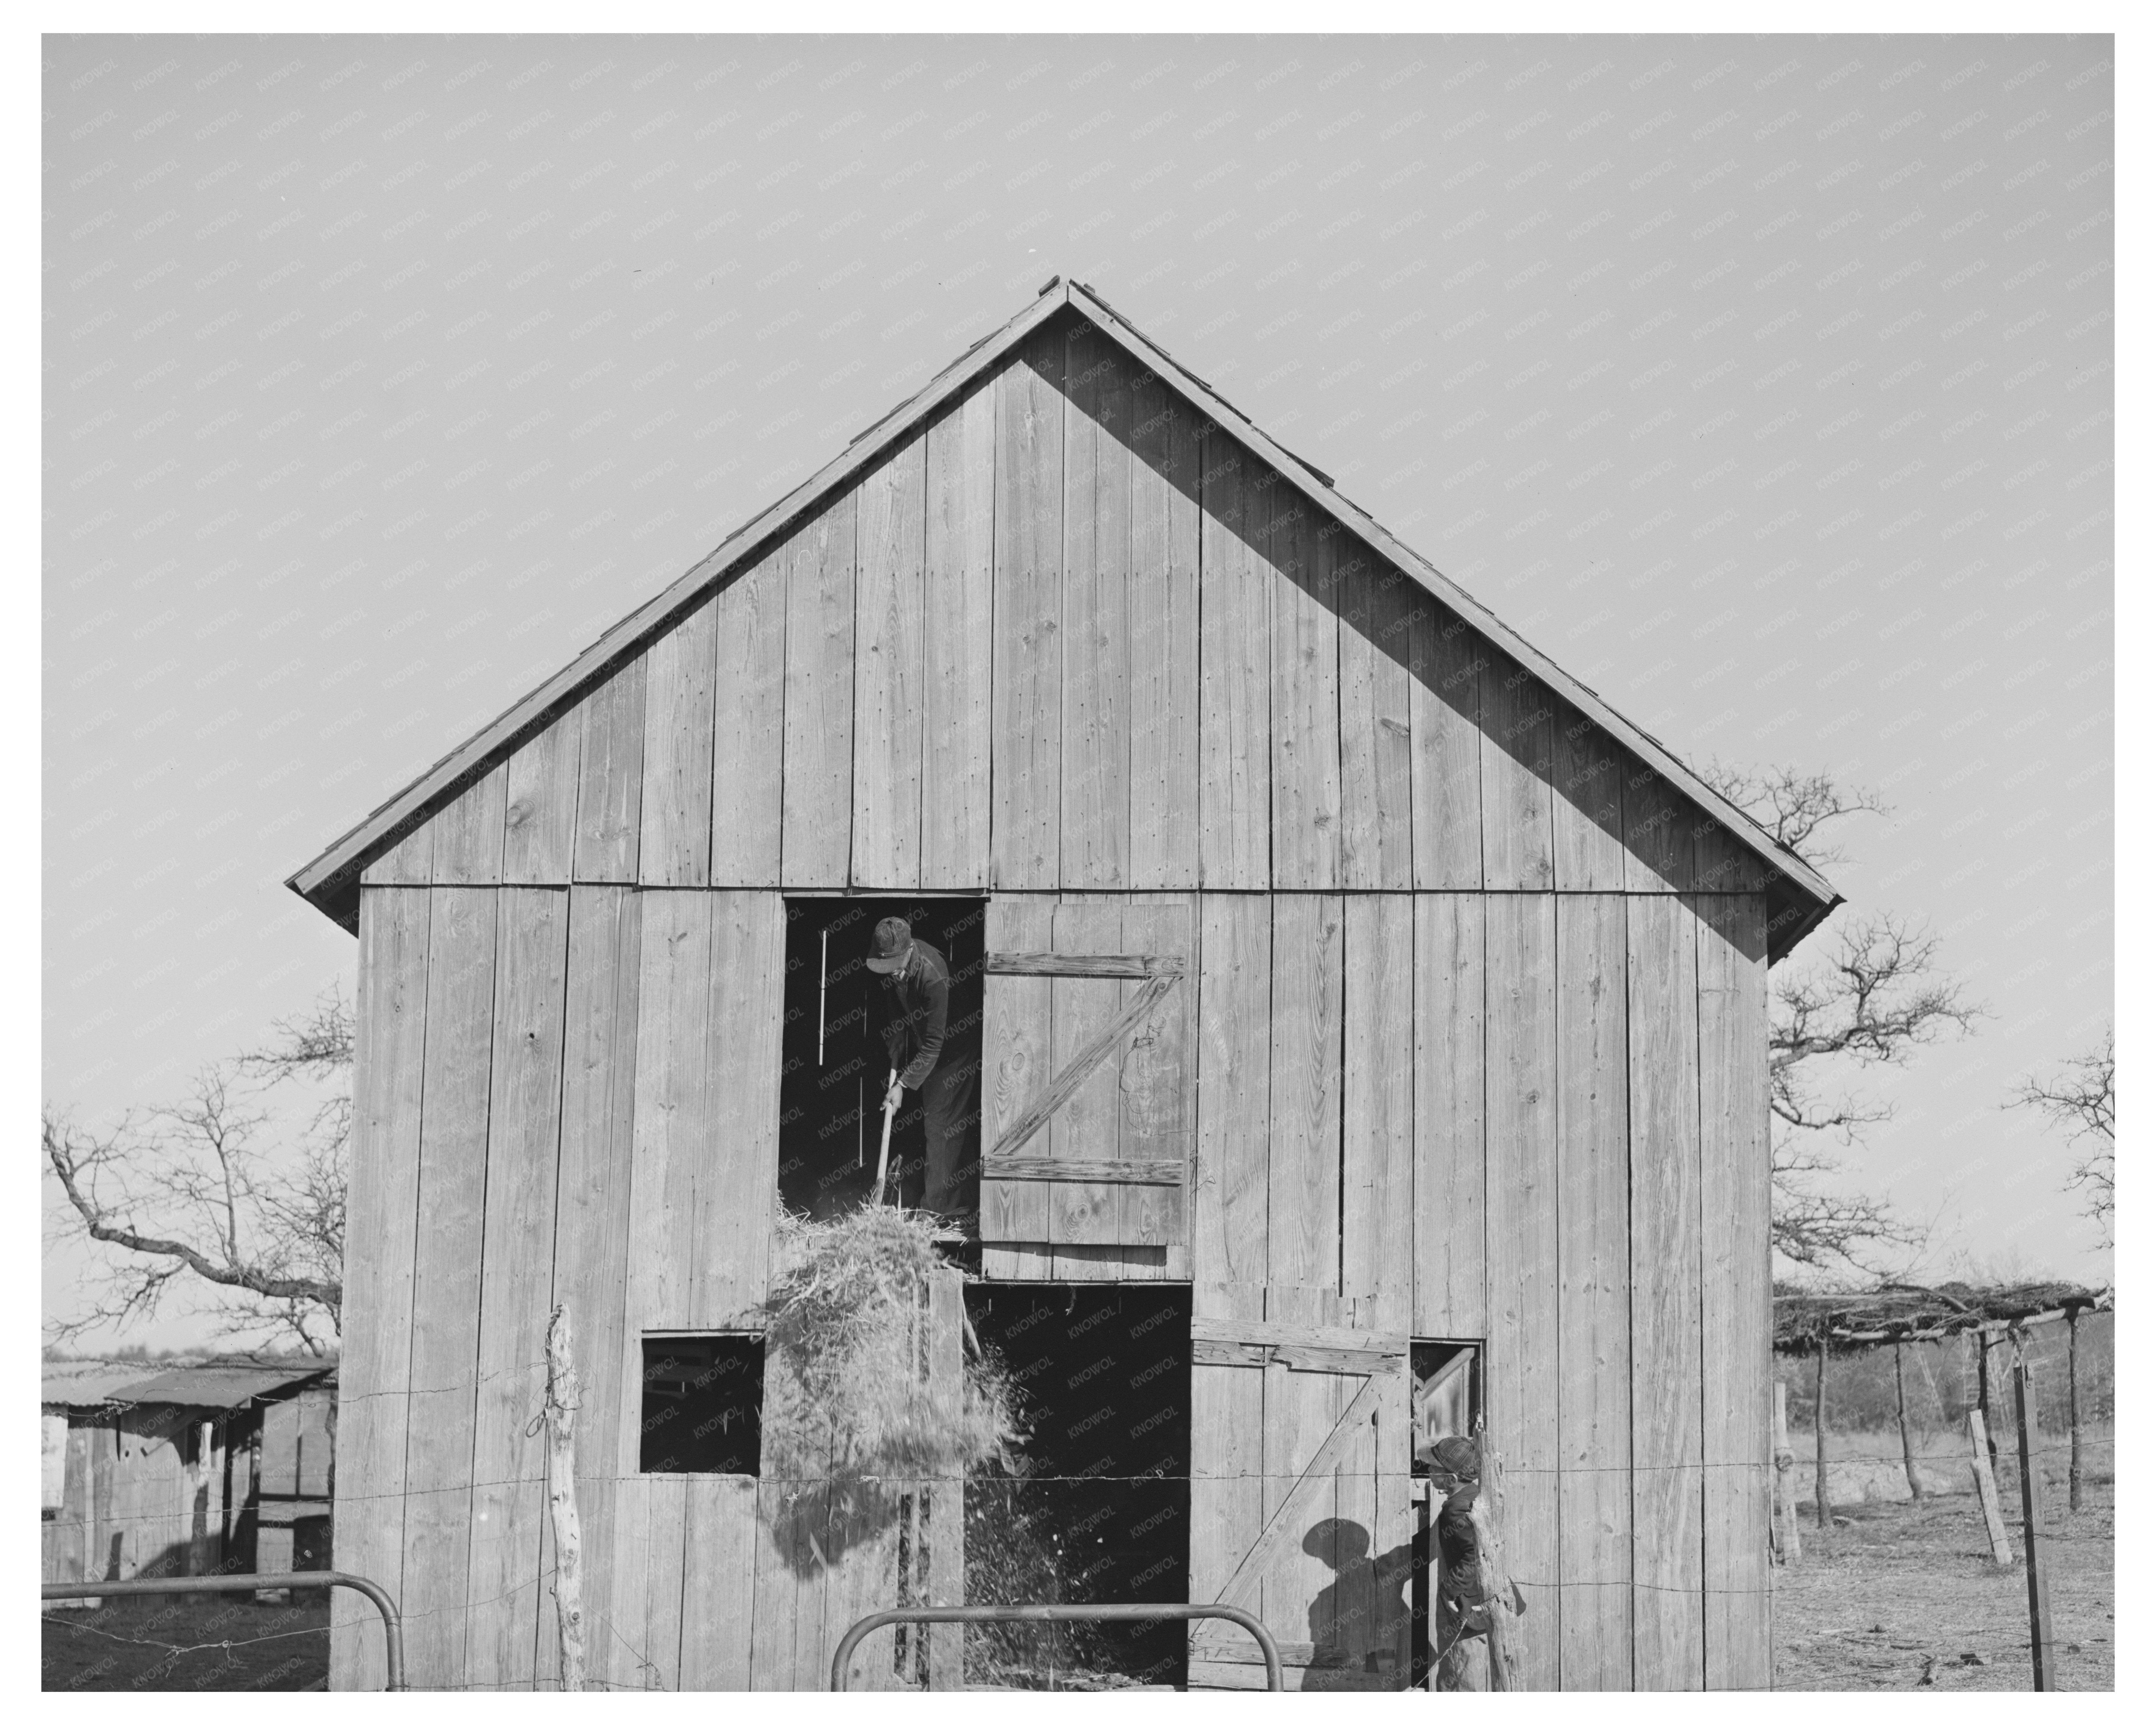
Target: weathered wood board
(1593, 1343)
(1736, 1294)
(1662, 1037)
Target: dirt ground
(1905, 1595)
(127, 1645)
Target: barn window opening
(835, 1061)
(703, 1404)
(1446, 1393)
(1101, 1513)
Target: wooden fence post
(1792, 1542)
(1987, 1489)
(1825, 1515)
(1901, 1415)
(2073, 1408)
(2041, 1656)
(561, 1403)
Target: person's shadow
(1358, 1624)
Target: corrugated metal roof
(90, 1383)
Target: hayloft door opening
(834, 1060)
(1101, 1513)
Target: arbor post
(1824, 1516)
(2073, 1408)
(1902, 1417)
(2042, 1658)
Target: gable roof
(329, 882)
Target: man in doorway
(940, 1060)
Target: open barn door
(1300, 1495)
(1088, 1087)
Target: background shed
(155, 1468)
(1425, 996)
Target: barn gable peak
(330, 881)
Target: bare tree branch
(210, 1193)
(1873, 1000)
(1794, 806)
(2083, 1098)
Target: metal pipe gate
(393, 1625)
(1052, 1613)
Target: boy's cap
(889, 945)
(1458, 1457)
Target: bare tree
(1873, 1000)
(220, 1194)
(2081, 1097)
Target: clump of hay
(849, 1310)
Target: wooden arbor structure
(1432, 993)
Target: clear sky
(1764, 382)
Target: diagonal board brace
(1361, 1410)
(1082, 1065)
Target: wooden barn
(1365, 1008)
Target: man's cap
(889, 945)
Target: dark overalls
(942, 1061)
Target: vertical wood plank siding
(815, 840)
(749, 727)
(1377, 1147)
(503, 1589)
(1594, 1344)
(1450, 995)
(1303, 549)
(888, 696)
(448, 1214)
(591, 1242)
(1662, 1012)
(381, 1218)
(1165, 537)
(538, 847)
(1736, 1294)
(1235, 671)
(1015, 1065)
(1235, 1108)
(1025, 776)
(1377, 736)
(959, 649)
(681, 673)
(1096, 788)
(1470, 1046)
(610, 777)
(1521, 1231)
(1302, 1182)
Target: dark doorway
(831, 1083)
(1101, 1511)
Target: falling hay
(852, 1421)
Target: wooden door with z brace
(1299, 1504)
(1089, 1087)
